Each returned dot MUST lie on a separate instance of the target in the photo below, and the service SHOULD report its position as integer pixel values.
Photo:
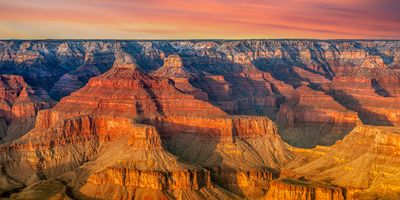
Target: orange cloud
(202, 19)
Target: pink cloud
(212, 18)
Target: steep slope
(312, 117)
(170, 134)
(252, 77)
(97, 139)
(365, 162)
(19, 106)
(127, 91)
(289, 189)
(94, 64)
(105, 141)
(373, 92)
(138, 167)
(234, 92)
(182, 76)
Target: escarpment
(240, 77)
(104, 136)
(362, 162)
(200, 119)
(313, 117)
(372, 94)
(313, 106)
(295, 189)
(181, 76)
(139, 167)
(19, 106)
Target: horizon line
(198, 39)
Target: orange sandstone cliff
(105, 141)
(200, 119)
(364, 163)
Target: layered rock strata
(313, 117)
(363, 162)
(19, 106)
(288, 189)
(240, 77)
(372, 94)
(96, 138)
(185, 105)
(232, 67)
(182, 76)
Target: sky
(199, 19)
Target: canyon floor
(246, 119)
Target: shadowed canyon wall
(199, 119)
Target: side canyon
(246, 119)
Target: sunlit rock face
(295, 189)
(199, 119)
(373, 93)
(244, 67)
(345, 163)
(105, 141)
(240, 77)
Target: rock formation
(372, 94)
(296, 189)
(241, 77)
(196, 119)
(87, 137)
(312, 117)
(363, 163)
(182, 76)
(19, 106)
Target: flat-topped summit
(187, 119)
(174, 68)
(173, 61)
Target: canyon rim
(245, 119)
(199, 100)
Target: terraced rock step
(199, 119)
